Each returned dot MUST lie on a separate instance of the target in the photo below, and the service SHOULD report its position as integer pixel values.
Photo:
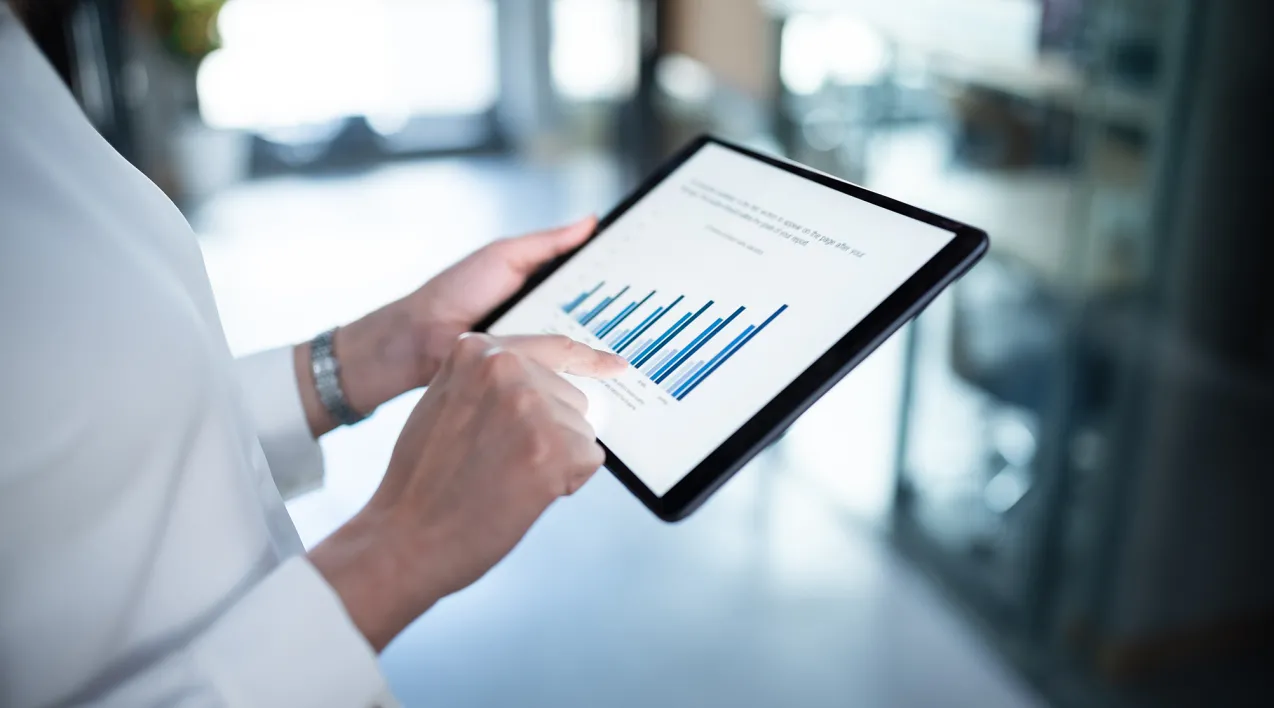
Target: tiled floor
(777, 593)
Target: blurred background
(1052, 489)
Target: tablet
(739, 287)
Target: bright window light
(287, 63)
(595, 48)
(821, 48)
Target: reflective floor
(780, 591)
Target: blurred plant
(188, 28)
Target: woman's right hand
(495, 439)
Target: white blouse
(146, 557)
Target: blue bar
(708, 371)
(640, 347)
(647, 323)
(584, 315)
(675, 331)
(596, 331)
(587, 317)
(622, 315)
(661, 340)
(635, 333)
(686, 376)
(619, 336)
(655, 367)
(581, 298)
(610, 324)
(707, 332)
(737, 341)
(605, 304)
(698, 343)
(574, 303)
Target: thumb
(526, 253)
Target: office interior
(1052, 489)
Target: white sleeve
(290, 642)
(268, 380)
(287, 642)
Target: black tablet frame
(966, 247)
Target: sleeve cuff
(268, 380)
(289, 642)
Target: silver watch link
(327, 379)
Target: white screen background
(735, 231)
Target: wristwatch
(327, 379)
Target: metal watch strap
(327, 380)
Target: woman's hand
(401, 346)
(497, 437)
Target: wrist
(379, 357)
(382, 355)
(379, 581)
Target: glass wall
(1079, 461)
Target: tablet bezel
(967, 245)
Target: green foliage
(188, 27)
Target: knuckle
(470, 345)
(577, 466)
(593, 457)
(524, 401)
(563, 484)
(539, 451)
(501, 364)
(580, 473)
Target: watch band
(327, 379)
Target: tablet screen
(720, 286)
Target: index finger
(564, 355)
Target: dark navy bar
(698, 344)
(650, 370)
(623, 315)
(685, 376)
(726, 358)
(707, 331)
(605, 304)
(599, 329)
(738, 340)
(674, 331)
(619, 337)
(650, 350)
(641, 347)
(647, 324)
(636, 332)
(601, 326)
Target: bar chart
(720, 286)
(674, 344)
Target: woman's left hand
(400, 346)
